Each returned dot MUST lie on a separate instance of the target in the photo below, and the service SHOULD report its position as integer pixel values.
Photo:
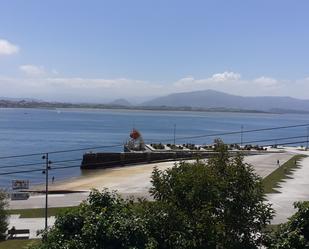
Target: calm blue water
(24, 131)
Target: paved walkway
(291, 190)
(33, 224)
(267, 163)
(57, 200)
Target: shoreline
(73, 106)
(135, 179)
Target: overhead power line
(20, 165)
(234, 132)
(41, 163)
(158, 140)
(62, 151)
(246, 142)
(21, 171)
(272, 139)
(133, 160)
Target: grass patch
(18, 244)
(283, 172)
(39, 212)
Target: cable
(287, 143)
(65, 161)
(266, 140)
(23, 155)
(20, 171)
(79, 159)
(179, 138)
(41, 163)
(234, 132)
(74, 166)
(118, 145)
(89, 148)
(20, 165)
(61, 151)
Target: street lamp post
(47, 168)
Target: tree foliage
(294, 234)
(3, 215)
(218, 204)
(104, 221)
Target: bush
(295, 233)
(3, 215)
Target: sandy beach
(129, 180)
(135, 180)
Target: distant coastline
(198, 101)
(55, 105)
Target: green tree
(104, 221)
(218, 204)
(294, 234)
(3, 215)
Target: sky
(99, 50)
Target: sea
(66, 134)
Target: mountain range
(215, 99)
(207, 100)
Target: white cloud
(225, 76)
(233, 83)
(7, 48)
(32, 70)
(79, 82)
(55, 72)
(218, 81)
(81, 89)
(266, 81)
(188, 81)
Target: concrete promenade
(291, 190)
(33, 224)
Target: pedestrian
(53, 179)
(13, 230)
(278, 163)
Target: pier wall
(106, 160)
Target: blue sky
(99, 50)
